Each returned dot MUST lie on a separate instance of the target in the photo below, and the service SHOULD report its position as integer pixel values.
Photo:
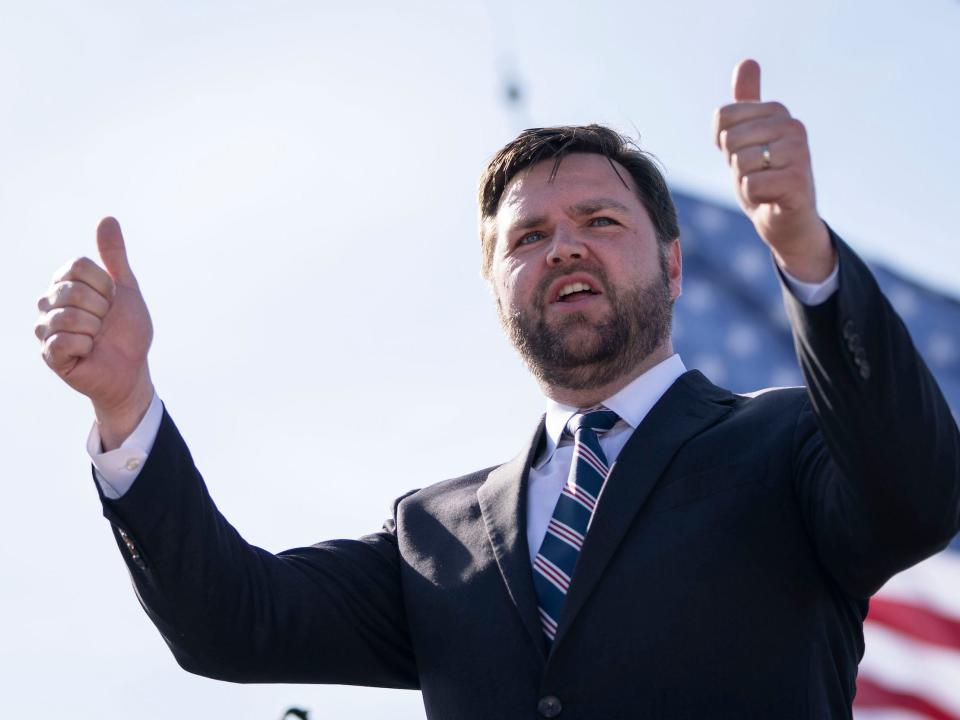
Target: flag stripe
(886, 713)
(916, 621)
(934, 583)
(900, 664)
(871, 694)
(912, 637)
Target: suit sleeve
(330, 613)
(877, 452)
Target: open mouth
(570, 291)
(574, 291)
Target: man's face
(582, 287)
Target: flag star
(751, 262)
(698, 296)
(742, 340)
(711, 219)
(677, 328)
(942, 349)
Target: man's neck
(588, 397)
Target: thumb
(113, 252)
(746, 81)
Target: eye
(602, 222)
(530, 237)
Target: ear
(675, 268)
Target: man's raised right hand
(95, 332)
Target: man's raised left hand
(769, 158)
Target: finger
(760, 132)
(69, 319)
(746, 81)
(113, 251)
(74, 294)
(730, 116)
(62, 350)
(754, 159)
(87, 271)
(785, 185)
(773, 155)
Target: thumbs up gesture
(95, 332)
(769, 158)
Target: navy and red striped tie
(553, 566)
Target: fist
(94, 328)
(769, 158)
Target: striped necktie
(553, 566)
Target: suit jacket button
(131, 547)
(849, 329)
(549, 706)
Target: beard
(578, 353)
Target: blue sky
(296, 182)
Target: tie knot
(598, 419)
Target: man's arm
(877, 453)
(329, 613)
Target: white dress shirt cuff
(813, 293)
(117, 469)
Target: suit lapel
(691, 405)
(503, 503)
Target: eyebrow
(587, 207)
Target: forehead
(580, 178)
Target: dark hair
(538, 144)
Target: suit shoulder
(449, 490)
(445, 504)
(773, 395)
(784, 404)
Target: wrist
(811, 259)
(117, 421)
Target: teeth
(572, 288)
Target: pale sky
(296, 185)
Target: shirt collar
(631, 403)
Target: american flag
(731, 325)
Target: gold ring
(765, 150)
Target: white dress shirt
(117, 469)
(549, 472)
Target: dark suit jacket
(726, 573)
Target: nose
(565, 247)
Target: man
(661, 548)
